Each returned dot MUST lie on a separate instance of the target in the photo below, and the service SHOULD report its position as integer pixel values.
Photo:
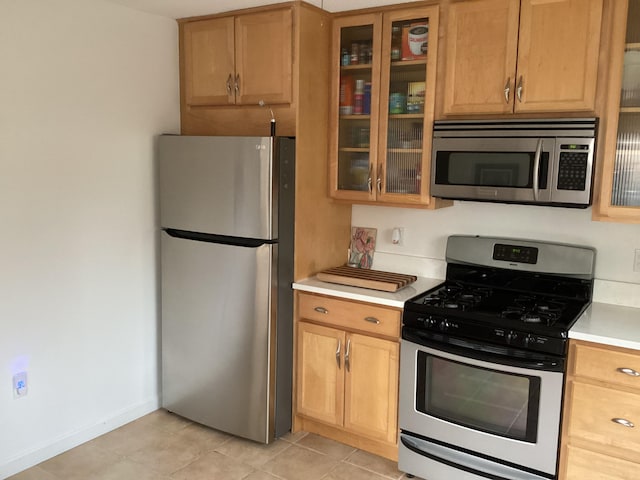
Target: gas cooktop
(520, 293)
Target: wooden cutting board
(360, 277)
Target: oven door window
(488, 400)
(512, 169)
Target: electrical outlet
(20, 387)
(636, 261)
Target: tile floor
(163, 446)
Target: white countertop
(603, 323)
(395, 299)
(610, 325)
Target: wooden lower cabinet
(601, 426)
(347, 380)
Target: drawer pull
(629, 371)
(338, 354)
(321, 310)
(623, 422)
(372, 320)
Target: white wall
(426, 232)
(84, 87)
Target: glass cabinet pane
(354, 123)
(406, 97)
(626, 175)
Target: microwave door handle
(536, 171)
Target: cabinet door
(371, 387)
(619, 150)
(407, 97)
(558, 55)
(482, 41)
(208, 56)
(320, 373)
(264, 57)
(354, 128)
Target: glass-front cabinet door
(620, 191)
(409, 50)
(354, 106)
(382, 106)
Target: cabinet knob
(321, 310)
(372, 320)
(624, 422)
(629, 371)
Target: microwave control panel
(573, 166)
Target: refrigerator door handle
(221, 239)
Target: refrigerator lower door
(218, 311)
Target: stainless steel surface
(623, 421)
(227, 240)
(553, 258)
(629, 371)
(464, 152)
(519, 89)
(536, 171)
(538, 456)
(221, 185)
(436, 462)
(217, 317)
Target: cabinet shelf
(409, 63)
(355, 117)
(358, 66)
(404, 150)
(354, 150)
(406, 116)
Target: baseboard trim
(70, 440)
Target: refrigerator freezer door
(218, 185)
(217, 321)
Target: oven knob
(431, 322)
(511, 337)
(528, 340)
(444, 325)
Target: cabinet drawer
(350, 315)
(593, 409)
(584, 464)
(605, 365)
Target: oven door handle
(477, 351)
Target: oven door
(496, 411)
(502, 169)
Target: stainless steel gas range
(483, 359)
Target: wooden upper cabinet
(522, 56)
(208, 56)
(238, 60)
(264, 57)
(482, 44)
(558, 55)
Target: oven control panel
(488, 333)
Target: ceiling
(194, 8)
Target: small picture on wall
(363, 244)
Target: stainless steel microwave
(540, 161)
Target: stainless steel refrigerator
(226, 214)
